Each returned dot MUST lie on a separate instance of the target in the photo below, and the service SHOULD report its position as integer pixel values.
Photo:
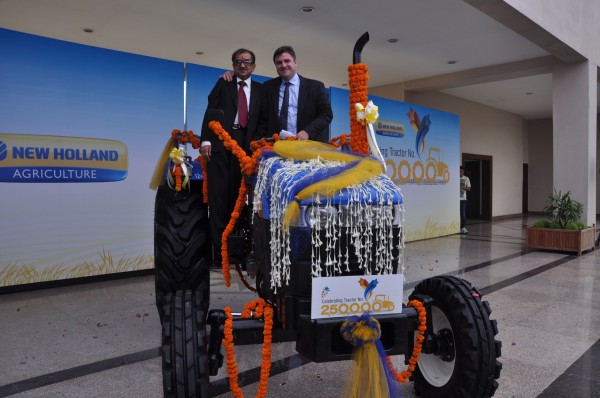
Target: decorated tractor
(324, 225)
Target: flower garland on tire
(412, 362)
(261, 310)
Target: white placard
(343, 296)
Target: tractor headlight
(317, 215)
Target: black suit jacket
(224, 97)
(314, 109)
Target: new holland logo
(389, 129)
(44, 158)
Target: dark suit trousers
(224, 179)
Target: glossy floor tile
(102, 339)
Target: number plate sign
(343, 296)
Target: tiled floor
(102, 339)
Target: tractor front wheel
(464, 362)
(181, 245)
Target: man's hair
(284, 49)
(241, 51)
(462, 168)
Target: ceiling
(493, 65)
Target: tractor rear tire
(184, 346)
(181, 243)
(468, 365)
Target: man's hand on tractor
(302, 135)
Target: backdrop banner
(81, 129)
(421, 147)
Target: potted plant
(563, 230)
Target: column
(574, 102)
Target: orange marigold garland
(358, 79)
(248, 165)
(245, 161)
(339, 140)
(412, 362)
(237, 211)
(239, 205)
(261, 310)
(184, 137)
(203, 164)
(176, 174)
(178, 156)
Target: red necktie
(242, 105)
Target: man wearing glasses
(239, 99)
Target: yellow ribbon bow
(368, 115)
(177, 155)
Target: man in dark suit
(308, 111)
(239, 99)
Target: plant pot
(560, 239)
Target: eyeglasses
(244, 62)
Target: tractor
(435, 166)
(383, 301)
(345, 234)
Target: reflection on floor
(102, 339)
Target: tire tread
(476, 366)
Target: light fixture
(392, 40)
(344, 84)
(451, 62)
(199, 52)
(529, 93)
(88, 30)
(307, 9)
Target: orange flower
(405, 375)
(182, 138)
(178, 174)
(339, 140)
(358, 79)
(202, 162)
(248, 166)
(261, 310)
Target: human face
(242, 70)
(286, 66)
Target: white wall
(575, 22)
(541, 163)
(483, 131)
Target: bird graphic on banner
(421, 127)
(368, 286)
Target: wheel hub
(445, 345)
(437, 365)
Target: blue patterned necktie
(283, 114)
